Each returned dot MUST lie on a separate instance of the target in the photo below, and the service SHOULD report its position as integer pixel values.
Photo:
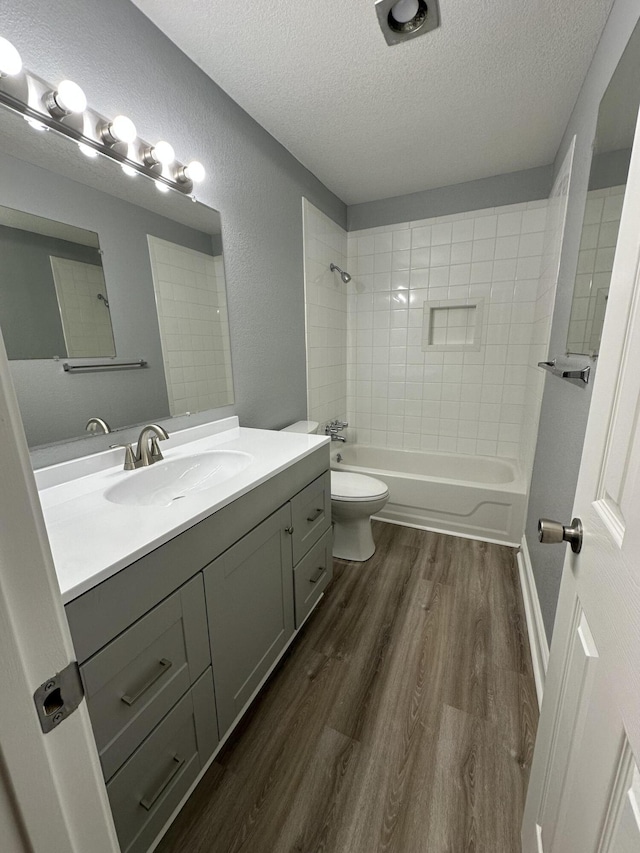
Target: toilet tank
(308, 427)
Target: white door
(52, 797)
(584, 791)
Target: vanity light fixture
(120, 129)
(193, 172)
(160, 154)
(63, 108)
(10, 60)
(401, 20)
(68, 98)
(35, 124)
(87, 150)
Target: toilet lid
(346, 486)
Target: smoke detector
(401, 20)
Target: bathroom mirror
(615, 130)
(53, 296)
(155, 259)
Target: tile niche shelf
(452, 324)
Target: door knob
(551, 532)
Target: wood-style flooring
(403, 718)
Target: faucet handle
(155, 452)
(129, 458)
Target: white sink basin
(173, 479)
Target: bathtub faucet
(334, 428)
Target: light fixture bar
(104, 142)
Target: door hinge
(58, 697)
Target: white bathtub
(475, 496)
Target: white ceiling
(489, 92)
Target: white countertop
(92, 538)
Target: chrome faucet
(148, 450)
(333, 429)
(94, 424)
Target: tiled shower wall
(191, 299)
(462, 401)
(595, 265)
(326, 315)
(86, 320)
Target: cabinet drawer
(312, 575)
(311, 515)
(133, 681)
(149, 786)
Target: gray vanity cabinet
(249, 596)
(190, 630)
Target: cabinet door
(249, 594)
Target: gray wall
(565, 408)
(610, 169)
(126, 65)
(55, 405)
(515, 187)
(29, 312)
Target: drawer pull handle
(315, 515)
(165, 666)
(149, 802)
(319, 572)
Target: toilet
(354, 499)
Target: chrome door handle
(552, 532)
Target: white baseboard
(535, 625)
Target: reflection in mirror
(607, 183)
(194, 331)
(159, 255)
(53, 296)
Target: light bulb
(70, 98)
(35, 124)
(129, 171)
(121, 129)
(404, 11)
(87, 150)
(163, 153)
(195, 172)
(162, 188)
(10, 61)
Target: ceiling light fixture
(401, 20)
(10, 61)
(121, 129)
(68, 98)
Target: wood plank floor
(403, 718)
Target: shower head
(346, 278)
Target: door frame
(52, 794)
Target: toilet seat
(347, 486)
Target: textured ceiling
(489, 92)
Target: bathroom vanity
(180, 605)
